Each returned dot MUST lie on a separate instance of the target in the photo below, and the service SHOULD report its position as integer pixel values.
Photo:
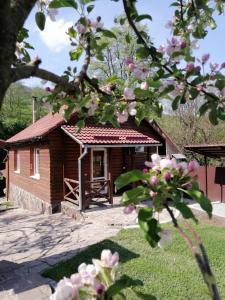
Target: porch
(96, 156)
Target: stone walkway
(218, 208)
(30, 243)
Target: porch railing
(99, 189)
(71, 188)
(94, 190)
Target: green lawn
(170, 273)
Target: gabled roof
(38, 129)
(106, 134)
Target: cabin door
(99, 165)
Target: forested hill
(16, 113)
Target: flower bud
(153, 180)
(128, 209)
(192, 165)
(144, 85)
(167, 176)
(190, 67)
(100, 288)
(131, 67)
(205, 58)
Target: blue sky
(52, 45)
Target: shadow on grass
(70, 266)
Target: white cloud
(54, 35)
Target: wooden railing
(71, 188)
(96, 189)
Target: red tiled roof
(39, 128)
(101, 135)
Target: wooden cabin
(50, 162)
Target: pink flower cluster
(139, 71)
(93, 279)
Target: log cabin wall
(57, 148)
(26, 191)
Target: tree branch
(23, 72)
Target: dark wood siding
(38, 187)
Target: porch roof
(108, 135)
(208, 150)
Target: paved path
(218, 208)
(30, 242)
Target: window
(139, 149)
(35, 163)
(16, 161)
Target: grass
(169, 273)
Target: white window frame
(17, 170)
(36, 163)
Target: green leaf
(90, 8)
(108, 33)
(143, 52)
(185, 211)
(63, 3)
(128, 38)
(220, 84)
(142, 94)
(40, 20)
(76, 54)
(143, 17)
(128, 177)
(144, 215)
(121, 284)
(152, 236)
(221, 113)
(213, 116)
(175, 103)
(199, 197)
(135, 195)
(80, 124)
(203, 109)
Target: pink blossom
(205, 58)
(139, 74)
(153, 194)
(81, 28)
(214, 67)
(166, 163)
(131, 108)
(162, 49)
(128, 61)
(96, 24)
(131, 67)
(192, 165)
(199, 87)
(145, 171)
(149, 164)
(122, 117)
(128, 209)
(144, 85)
(128, 94)
(65, 290)
(153, 180)
(190, 67)
(108, 259)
